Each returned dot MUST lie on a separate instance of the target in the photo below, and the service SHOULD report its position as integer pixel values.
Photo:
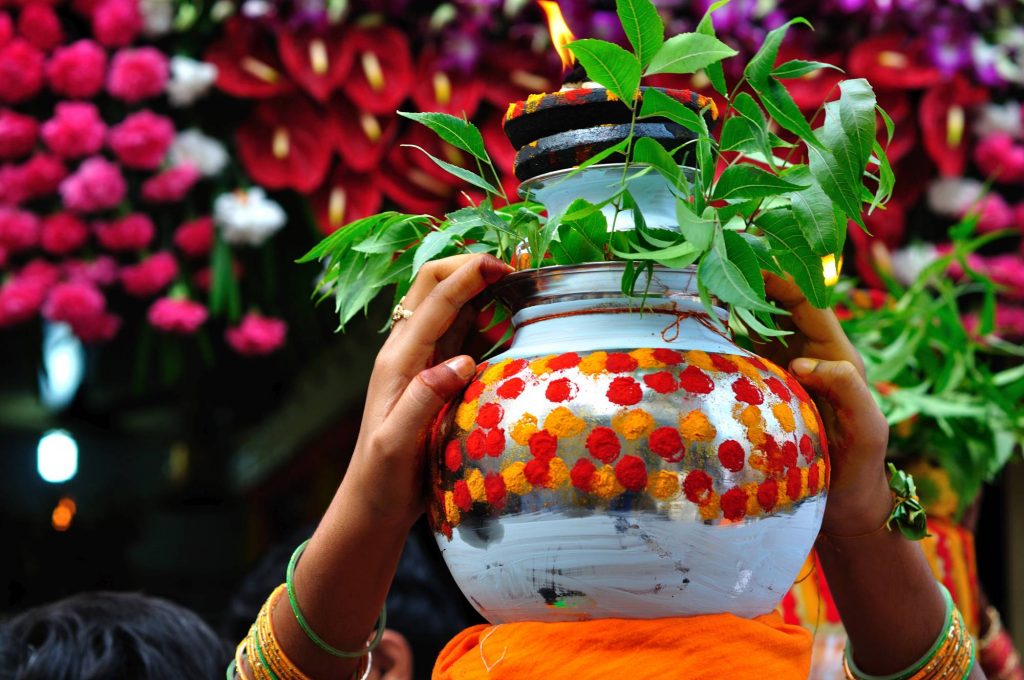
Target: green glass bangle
(260, 657)
(304, 625)
(920, 663)
(230, 675)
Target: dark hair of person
(110, 636)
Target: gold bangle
(280, 664)
(239, 659)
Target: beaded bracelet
(952, 655)
(313, 637)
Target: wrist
(858, 510)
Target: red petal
(360, 137)
(943, 116)
(437, 89)
(510, 75)
(889, 61)
(382, 74)
(247, 65)
(281, 145)
(346, 196)
(318, 62)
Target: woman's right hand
(418, 369)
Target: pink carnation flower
(41, 272)
(102, 271)
(21, 71)
(195, 238)
(96, 185)
(12, 187)
(20, 300)
(137, 74)
(99, 328)
(62, 233)
(75, 130)
(41, 175)
(150, 276)
(19, 230)
(141, 140)
(17, 134)
(116, 23)
(1000, 157)
(177, 316)
(993, 213)
(77, 70)
(128, 233)
(171, 185)
(257, 335)
(39, 24)
(1007, 270)
(6, 28)
(73, 301)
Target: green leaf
(646, 150)
(430, 247)
(689, 52)
(341, 239)
(780, 106)
(793, 252)
(741, 254)
(609, 65)
(797, 68)
(694, 229)
(727, 282)
(657, 103)
(396, 235)
(642, 26)
(765, 331)
(890, 127)
(760, 66)
(857, 118)
(457, 132)
(749, 181)
(672, 252)
(598, 158)
(835, 166)
(581, 240)
(765, 259)
(815, 214)
(463, 174)
(714, 71)
(886, 177)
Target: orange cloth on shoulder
(713, 646)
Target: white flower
(157, 17)
(999, 118)
(909, 262)
(204, 153)
(951, 196)
(190, 80)
(247, 217)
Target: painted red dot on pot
(696, 381)
(807, 448)
(564, 361)
(511, 388)
(560, 389)
(773, 454)
(537, 471)
(473, 391)
(768, 494)
(747, 392)
(603, 444)
(582, 475)
(631, 473)
(625, 391)
(794, 483)
(789, 453)
(778, 389)
(734, 504)
(620, 362)
(476, 444)
(732, 455)
(755, 362)
(513, 367)
(543, 445)
(722, 364)
(661, 382)
(460, 494)
(812, 480)
(697, 486)
(667, 356)
(494, 444)
(666, 442)
(494, 486)
(453, 455)
(489, 415)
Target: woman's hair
(110, 636)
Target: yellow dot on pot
(540, 366)
(701, 360)
(753, 506)
(451, 511)
(593, 363)
(645, 358)
(748, 369)
(696, 427)
(524, 429)
(774, 368)
(709, 508)
(475, 482)
(663, 485)
(633, 424)
(809, 416)
(515, 480)
(605, 483)
(495, 372)
(465, 415)
(558, 473)
(751, 418)
(784, 414)
(563, 423)
(804, 488)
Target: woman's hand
(822, 358)
(416, 372)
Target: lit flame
(560, 33)
(62, 515)
(830, 269)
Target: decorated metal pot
(620, 461)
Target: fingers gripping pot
(619, 462)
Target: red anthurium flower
(943, 117)
(405, 180)
(247, 65)
(437, 89)
(362, 138)
(282, 145)
(892, 61)
(345, 197)
(498, 147)
(897, 104)
(812, 90)
(318, 62)
(382, 74)
(512, 75)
